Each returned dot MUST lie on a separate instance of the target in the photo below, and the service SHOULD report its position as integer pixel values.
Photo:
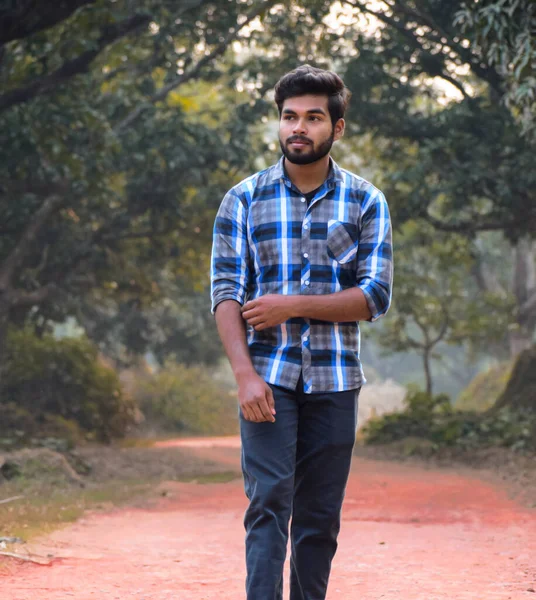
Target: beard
(308, 154)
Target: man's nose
(300, 126)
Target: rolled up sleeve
(229, 272)
(375, 255)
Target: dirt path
(408, 534)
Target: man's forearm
(232, 331)
(347, 305)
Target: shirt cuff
(370, 293)
(218, 298)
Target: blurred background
(122, 125)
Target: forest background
(122, 125)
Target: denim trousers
(296, 470)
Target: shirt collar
(334, 174)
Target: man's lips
(299, 143)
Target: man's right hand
(256, 399)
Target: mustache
(298, 138)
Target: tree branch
(426, 344)
(485, 278)
(13, 189)
(528, 307)
(72, 67)
(486, 73)
(463, 53)
(416, 43)
(133, 235)
(195, 70)
(21, 20)
(154, 59)
(17, 298)
(444, 327)
(474, 226)
(21, 249)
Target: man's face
(305, 130)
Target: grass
(117, 478)
(44, 508)
(222, 477)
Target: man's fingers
(257, 323)
(257, 412)
(253, 316)
(246, 413)
(248, 306)
(266, 411)
(270, 399)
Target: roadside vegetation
(435, 420)
(123, 125)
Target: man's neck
(308, 177)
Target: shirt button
(303, 199)
(305, 255)
(304, 338)
(307, 282)
(306, 226)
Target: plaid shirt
(267, 240)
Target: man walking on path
(302, 253)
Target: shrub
(18, 427)
(64, 387)
(433, 418)
(186, 399)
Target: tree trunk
(519, 340)
(427, 370)
(4, 320)
(524, 289)
(520, 391)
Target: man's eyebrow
(310, 111)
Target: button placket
(305, 247)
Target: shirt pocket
(342, 241)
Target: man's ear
(338, 130)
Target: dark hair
(311, 80)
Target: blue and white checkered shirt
(267, 240)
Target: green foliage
(56, 388)
(116, 158)
(504, 30)
(452, 152)
(417, 420)
(437, 139)
(433, 418)
(187, 400)
(436, 300)
(485, 388)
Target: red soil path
(407, 534)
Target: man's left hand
(269, 310)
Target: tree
(435, 303)
(505, 30)
(105, 175)
(521, 388)
(456, 160)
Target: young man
(301, 254)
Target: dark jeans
(297, 466)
